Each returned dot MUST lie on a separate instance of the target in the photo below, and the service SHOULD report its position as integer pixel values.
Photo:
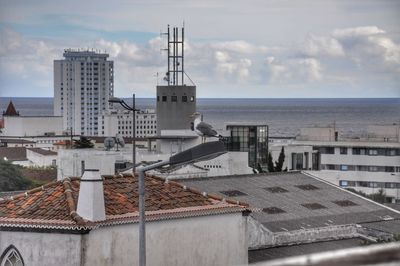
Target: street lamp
(133, 109)
(201, 152)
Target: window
(184, 98)
(164, 98)
(327, 150)
(343, 150)
(192, 98)
(174, 98)
(344, 167)
(11, 257)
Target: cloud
(323, 46)
(299, 70)
(344, 57)
(356, 32)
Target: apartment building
(83, 84)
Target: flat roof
(293, 200)
(303, 249)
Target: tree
(271, 167)
(11, 177)
(83, 143)
(281, 159)
(259, 168)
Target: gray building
(175, 104)
(83, 84)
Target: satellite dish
(109, 143)
(120, 141)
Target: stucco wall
(208, 240)
(32, 125)
(43, 249)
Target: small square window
(192, 98)
(164, 98)
(184, 98)
(174, 98)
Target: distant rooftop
(294, 201)
(77, 53)
(11, 110)
(13, 153)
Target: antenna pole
(183, 58)
(133, 135)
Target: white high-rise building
(83, 84)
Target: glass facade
(252, 139)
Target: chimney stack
(91, 196)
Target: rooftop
(11, 110)
(297, 250)
(13, 153)
(43, 151)
(53, 206)
(294, 201)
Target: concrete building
(367, 163)
(120, 122)
(83, 84)
(290, 211)
(175, 105)
(15, 125)
(57, 225)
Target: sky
(233, 49)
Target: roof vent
(91, 196)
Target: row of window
(362, 151)
(174, 98)
(212, 166)
(363, 168)
(371, 184)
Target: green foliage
(259, 168)
(271, 167)
(83, 143)
(11, 177)
(281, 159)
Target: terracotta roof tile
(54, 205)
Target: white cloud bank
(359, 54)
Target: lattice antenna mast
(175, 53)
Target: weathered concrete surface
(208, 240)
(44, 249)
(260, 236)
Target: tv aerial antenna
(109, 143)
(119, 140)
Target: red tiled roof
(54, 205)
(11, 110)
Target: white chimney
(91, 196)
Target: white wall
(32, 125)
(335, 177)
(44, 249)
(38, 159)
(207, 240)
(69, 161)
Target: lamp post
(133, 109)
(201, 152)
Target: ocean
(283, 116)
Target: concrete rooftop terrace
(295, 201)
